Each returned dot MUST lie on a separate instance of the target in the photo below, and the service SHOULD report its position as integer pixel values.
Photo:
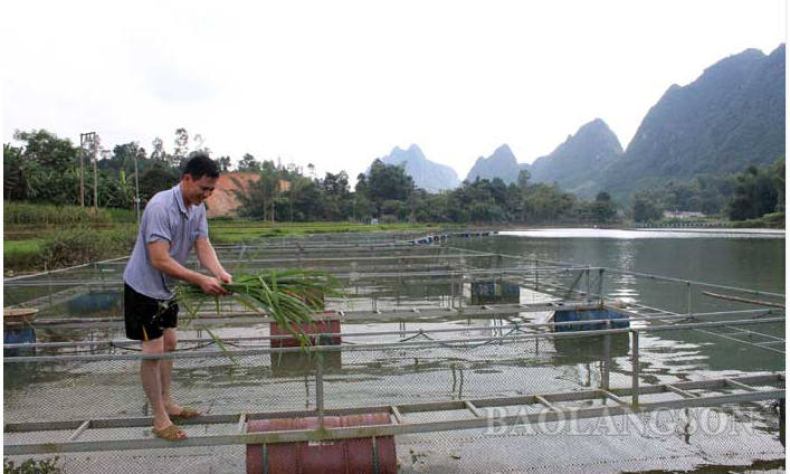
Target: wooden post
(82, 169)
(95, 178)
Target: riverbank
(45, 237)
(32, 248)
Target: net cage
(464, 350)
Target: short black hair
(200, 165)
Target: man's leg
(170, 340)
(150, 373)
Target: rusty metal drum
(356, 455)
(314, 330)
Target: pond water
(733, 258)
(744, 259)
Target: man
(173, 222)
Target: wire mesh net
(447, 339)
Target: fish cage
(461, 351)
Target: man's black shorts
(146, 318)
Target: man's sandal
(170, 433)
(186, 413)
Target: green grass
(37, 235)
(122, 216)
(23, 246)
(26, 214)
(66, 247)
(775, 220)
(23, 254)
(235, 232)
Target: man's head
(199, 178)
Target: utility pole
(411, 205)
(136, 187)
(95, 177)
(86, 138)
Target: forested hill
(574, 164)
(502, 164)
(427, 174)
(732, 116)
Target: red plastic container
(327, 326)
(350, 456)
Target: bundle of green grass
(290, 297)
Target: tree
(546, 203)
(645, 209)
(248, 164)
(181, 147)
(337, 198)
(16, 175)
(43, 169)
(756, 194)
(603, 196)
(224, 164)
(47, 149)
(122, 158)
(523, 179)
(199, 145)
(388, 182)
(158, 150)
(259, 201)
(778, 176)
(157, 177)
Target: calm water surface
(745, 259)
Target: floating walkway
(475, 413)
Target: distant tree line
(45, 169)
(751, 194)
(388, 194)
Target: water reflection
(739, 259)
(591, 349)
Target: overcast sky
(339, 83)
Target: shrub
(82, 245)
(32, 466)
(50, 215)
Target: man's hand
(212, 286)
(225, 277)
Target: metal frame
(399, 316)
(393, 345)
(626, 400)
(399, 423)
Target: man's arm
(162, 261)
(208, 258)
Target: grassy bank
(38, 237)
(768, 221)
(42, 236)
(27, 250)
(66, 247)
(241, 231)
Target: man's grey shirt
(165, 218)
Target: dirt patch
(223, 202)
